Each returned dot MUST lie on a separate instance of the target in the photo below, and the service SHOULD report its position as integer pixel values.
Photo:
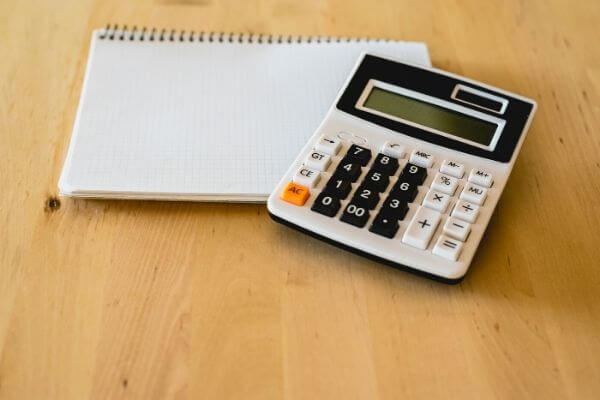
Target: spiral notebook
(180, 115)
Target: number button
(465, 211)
(385, 164)
(317, 160)
(453, 169)
(329, 145)
(307, 177)
(405, 190)
(421, 228)
(481, 178)
(436, 201)
(366, 197)
(326, 204)
(474, 194)
(349, 170)
(421, 159)
(377, 181)
(447, 248)
(359, 154)
(355, 214)
(414, 173)
(339, 186)
(444, 183)
(384, 225)
(394, 207)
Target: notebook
(177, 115)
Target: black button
(326, 204)
(385, 164)
(395, 207)
(339, 186)
(414, 173)
(366, 196)
(355, 214)
(359, 154)
(407, 190)
(379, 181)
(350, 169)
(384, 225)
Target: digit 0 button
(318, 160)
(421, 159)
(295, 194)
(481, 177)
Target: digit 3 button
(327, 204)
(384, 225)
(355, 214)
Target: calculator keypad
(378, 191)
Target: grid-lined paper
(199, 120)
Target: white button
(444, 183)
(307, 177)
(421, 228)
(457, 229)
(329, 145)
(317, 160)
(436, 201)
(481, 178)
(453, 169)
(474, 194)
(466, 211)
(393, 150)
(447, 248)
(421, 159)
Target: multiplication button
(421, 228)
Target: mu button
(295, 194)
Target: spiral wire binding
(115, 33)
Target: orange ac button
(295, 194)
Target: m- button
(295, 194)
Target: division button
(385, 164)
(421, 228)
(465, 211)
(384, 225)
(359, 154)
(457, 229)
(481, 177)
(339, 186)
(349, 169)
(444, 183)
(436, 201)
(318, 160)
(474, 194)
(453, 169)
(307, 177)
(448, 248)
(355, 214)
(421, 158)
(295, 194)
(326, 204)
(329, 145)
(414, 173)
(393, 150)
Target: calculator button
(421, 159)
(414, 173)
(339, 186)
(366, 197)
(444, 183)
(448, 248)
(453, 169)
(457, 229)
(329, 145)
(318, 160)
(436, 201)
(359, 154)
(474, 194)
(395, 207)
(349, 169)
(384, 225)
(393, 150)
(405, 189)
(421, 228)
(481, 178)
(355, 214)
(295, 194)
(385, 164)
(465, 211)
(326, 204)
(376, 180)
(307, 177)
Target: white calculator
(407, 167)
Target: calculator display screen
(441, 119)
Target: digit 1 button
(295, 194)
(384, 225)
(405, 190)
(318, 160)
(385, 164)
(359, 154)
(377, 181)
(447, 248)
(349, 169)
(355, 214)
(436, 201)
(366, 197)
(307, 177)
(339, 186)
(414, 173)
(326, 204)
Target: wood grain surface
(141, 300)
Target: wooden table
(133, 299)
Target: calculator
(407, 167)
